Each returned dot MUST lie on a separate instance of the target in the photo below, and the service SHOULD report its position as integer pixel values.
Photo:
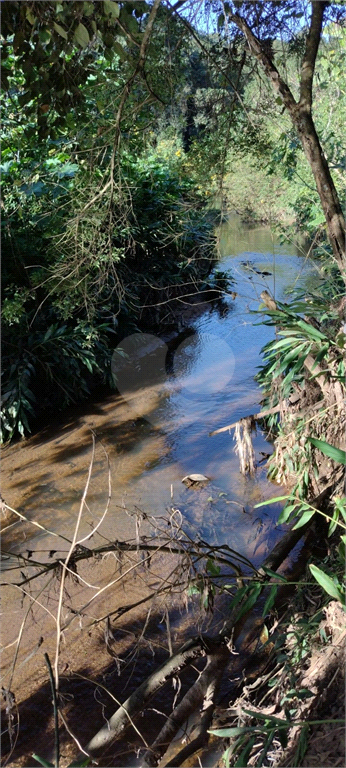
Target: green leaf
(270, 600)
(81, 35)
(329, 450)
(44, 35)
(119, 50)
(273, 574)
(270, 718)
(250, 601)
(327, 583)
(212, 568)
(30, 16)
(306, 516)
(43, 762)
(242, 760)
(230, 732)
(271, 501)
(311, 331)
(286, 513)
(88, 8)
(111, 8)
(291, 355)
(60, 30)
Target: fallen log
(205, 690)
(122, 718)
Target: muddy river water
(158, 433)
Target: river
(161, 433)
(157, 434)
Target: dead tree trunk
(301, 117)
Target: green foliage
(329, 450)
(51, 46)
(70, 279)
(284, 358)
(331, 586)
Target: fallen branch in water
(253, 416)
(263, 414)
(222, 554)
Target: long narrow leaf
(271, 501)
(306, 516)
(311, 331)
(329, 450)
(327, 583)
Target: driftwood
(205, 691)
(122, 718)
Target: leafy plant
(331, 586)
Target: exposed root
(203, 692)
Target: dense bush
(78, 276)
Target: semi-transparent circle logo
(145, 371)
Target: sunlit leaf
(326, 583)
(286, 513)
(312, 331)
(42, 761)
(111, 8)
(271, 501)
(306, 516)
(329, 450)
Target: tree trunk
(301, 116)
(335, 221)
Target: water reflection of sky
(160, 433)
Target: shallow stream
(159, 433)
